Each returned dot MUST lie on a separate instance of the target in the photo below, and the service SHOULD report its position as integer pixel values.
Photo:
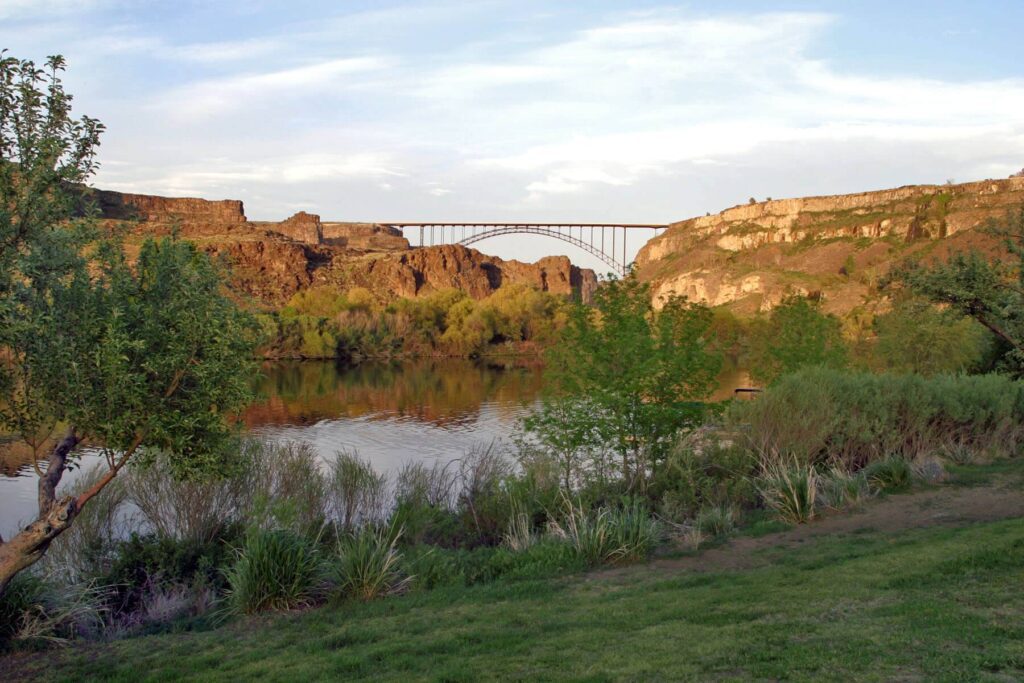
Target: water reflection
(388, 413)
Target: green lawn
(932, 604)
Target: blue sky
(518, 110)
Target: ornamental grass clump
(789, 489)
(609, 535)
(369, 564)
(275, 570)
(716, 521)
(840, 488)
(893, 473)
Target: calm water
(388, 413)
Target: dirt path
(947, 506)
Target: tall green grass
(368, 564)
(829, 416)
(276, 569)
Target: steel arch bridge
(606, 241)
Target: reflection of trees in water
(444, 392)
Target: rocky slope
(749, 257)
(271, 261)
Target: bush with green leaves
(797, 334)
(636, 375)
(275, 569)
(704, 472)
(850, 418)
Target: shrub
(34, 611)
(789, 489)
(485, 507)
(635, 532)
(275, 569)
(357, 491)
(88, 547)
(608, 535)
(369, 564)
(853, 418)
(424, 501)
(519, 533)
(702, 475)
(893, 473)
(143, 564)
(716, 521)
(840, 488)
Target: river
(389, 413)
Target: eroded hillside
(271, 261)
(749, 257)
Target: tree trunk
(29, 545)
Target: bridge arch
(605, 241)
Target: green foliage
(915, 337)
(699, 476)
(134, 356)
(357, 490)
(142, 562)
(797, 334)
(433, 567)
(991, 292)
(367, 564)
(24, 593)
(852, 418)
(717, 521)
(608, 535)
(893, 473)
(840, 488)
(637, 374)
(274, 570)
(324, 322)
(790, 489)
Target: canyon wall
(271, 261)
(751, 256)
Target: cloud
(208, 98)
(634, 99)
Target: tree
(990, 291)
(797, 334)
(131, 358)
(639, 374)
(917, 337)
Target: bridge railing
(605, 241)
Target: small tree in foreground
(126, 357)
(639, 374)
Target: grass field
(936, 603)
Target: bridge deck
(590, 237)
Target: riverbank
(918, 585)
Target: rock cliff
(271, 261)
(750, 256)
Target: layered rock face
(189, 212)
(429, 269)
(271, 261)
(751, 256)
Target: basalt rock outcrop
(751, 256)
(271, 261)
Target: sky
(517, 110)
